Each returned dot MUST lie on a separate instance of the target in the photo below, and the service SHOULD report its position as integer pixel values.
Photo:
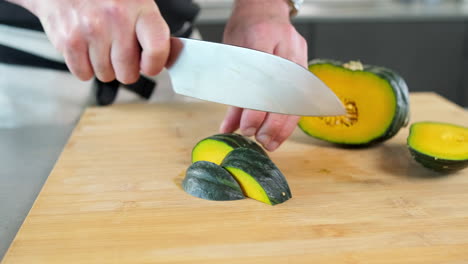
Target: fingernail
(264, 139)
(272, 145)
(250, 131)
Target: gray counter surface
(356, 10)
(27, 156)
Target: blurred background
(424, 40)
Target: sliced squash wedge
(216, 147)
(258, 176)
(210, 181)
(439, 146)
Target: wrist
(271, 7)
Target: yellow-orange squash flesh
(211, 150)
(249, 185)
(441, 140)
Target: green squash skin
(437, 164)
(402, 114)
(241, 141)
(263, 170)
(210, 181)
(400, 91)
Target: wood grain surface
(114, 196)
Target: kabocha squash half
(375, 98)
(216, 147)
(258, 176)
(439, 146)
(210, 181)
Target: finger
(125, 55)
(154, 38)
(231, 120)
(77, 59)
(99, 49)
(288, 128)
(99, 54)
(272, 125)
(251, 121)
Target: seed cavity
(351, 117)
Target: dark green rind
(231, 142)
(210, 181)
(263, 170)
(437, 164)
(228, 141)
(242, 141)
(401, 115)
(432, 162)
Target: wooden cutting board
(114, 196)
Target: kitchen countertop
(28, 154)
(355, 10)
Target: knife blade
(248, 78)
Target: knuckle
(123, 58)
(92, 26)
(276, 124)
(115, 10)
(72, 41)
(252, 119)
(127, 52)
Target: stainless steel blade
(249, 79)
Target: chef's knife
(248, 78)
